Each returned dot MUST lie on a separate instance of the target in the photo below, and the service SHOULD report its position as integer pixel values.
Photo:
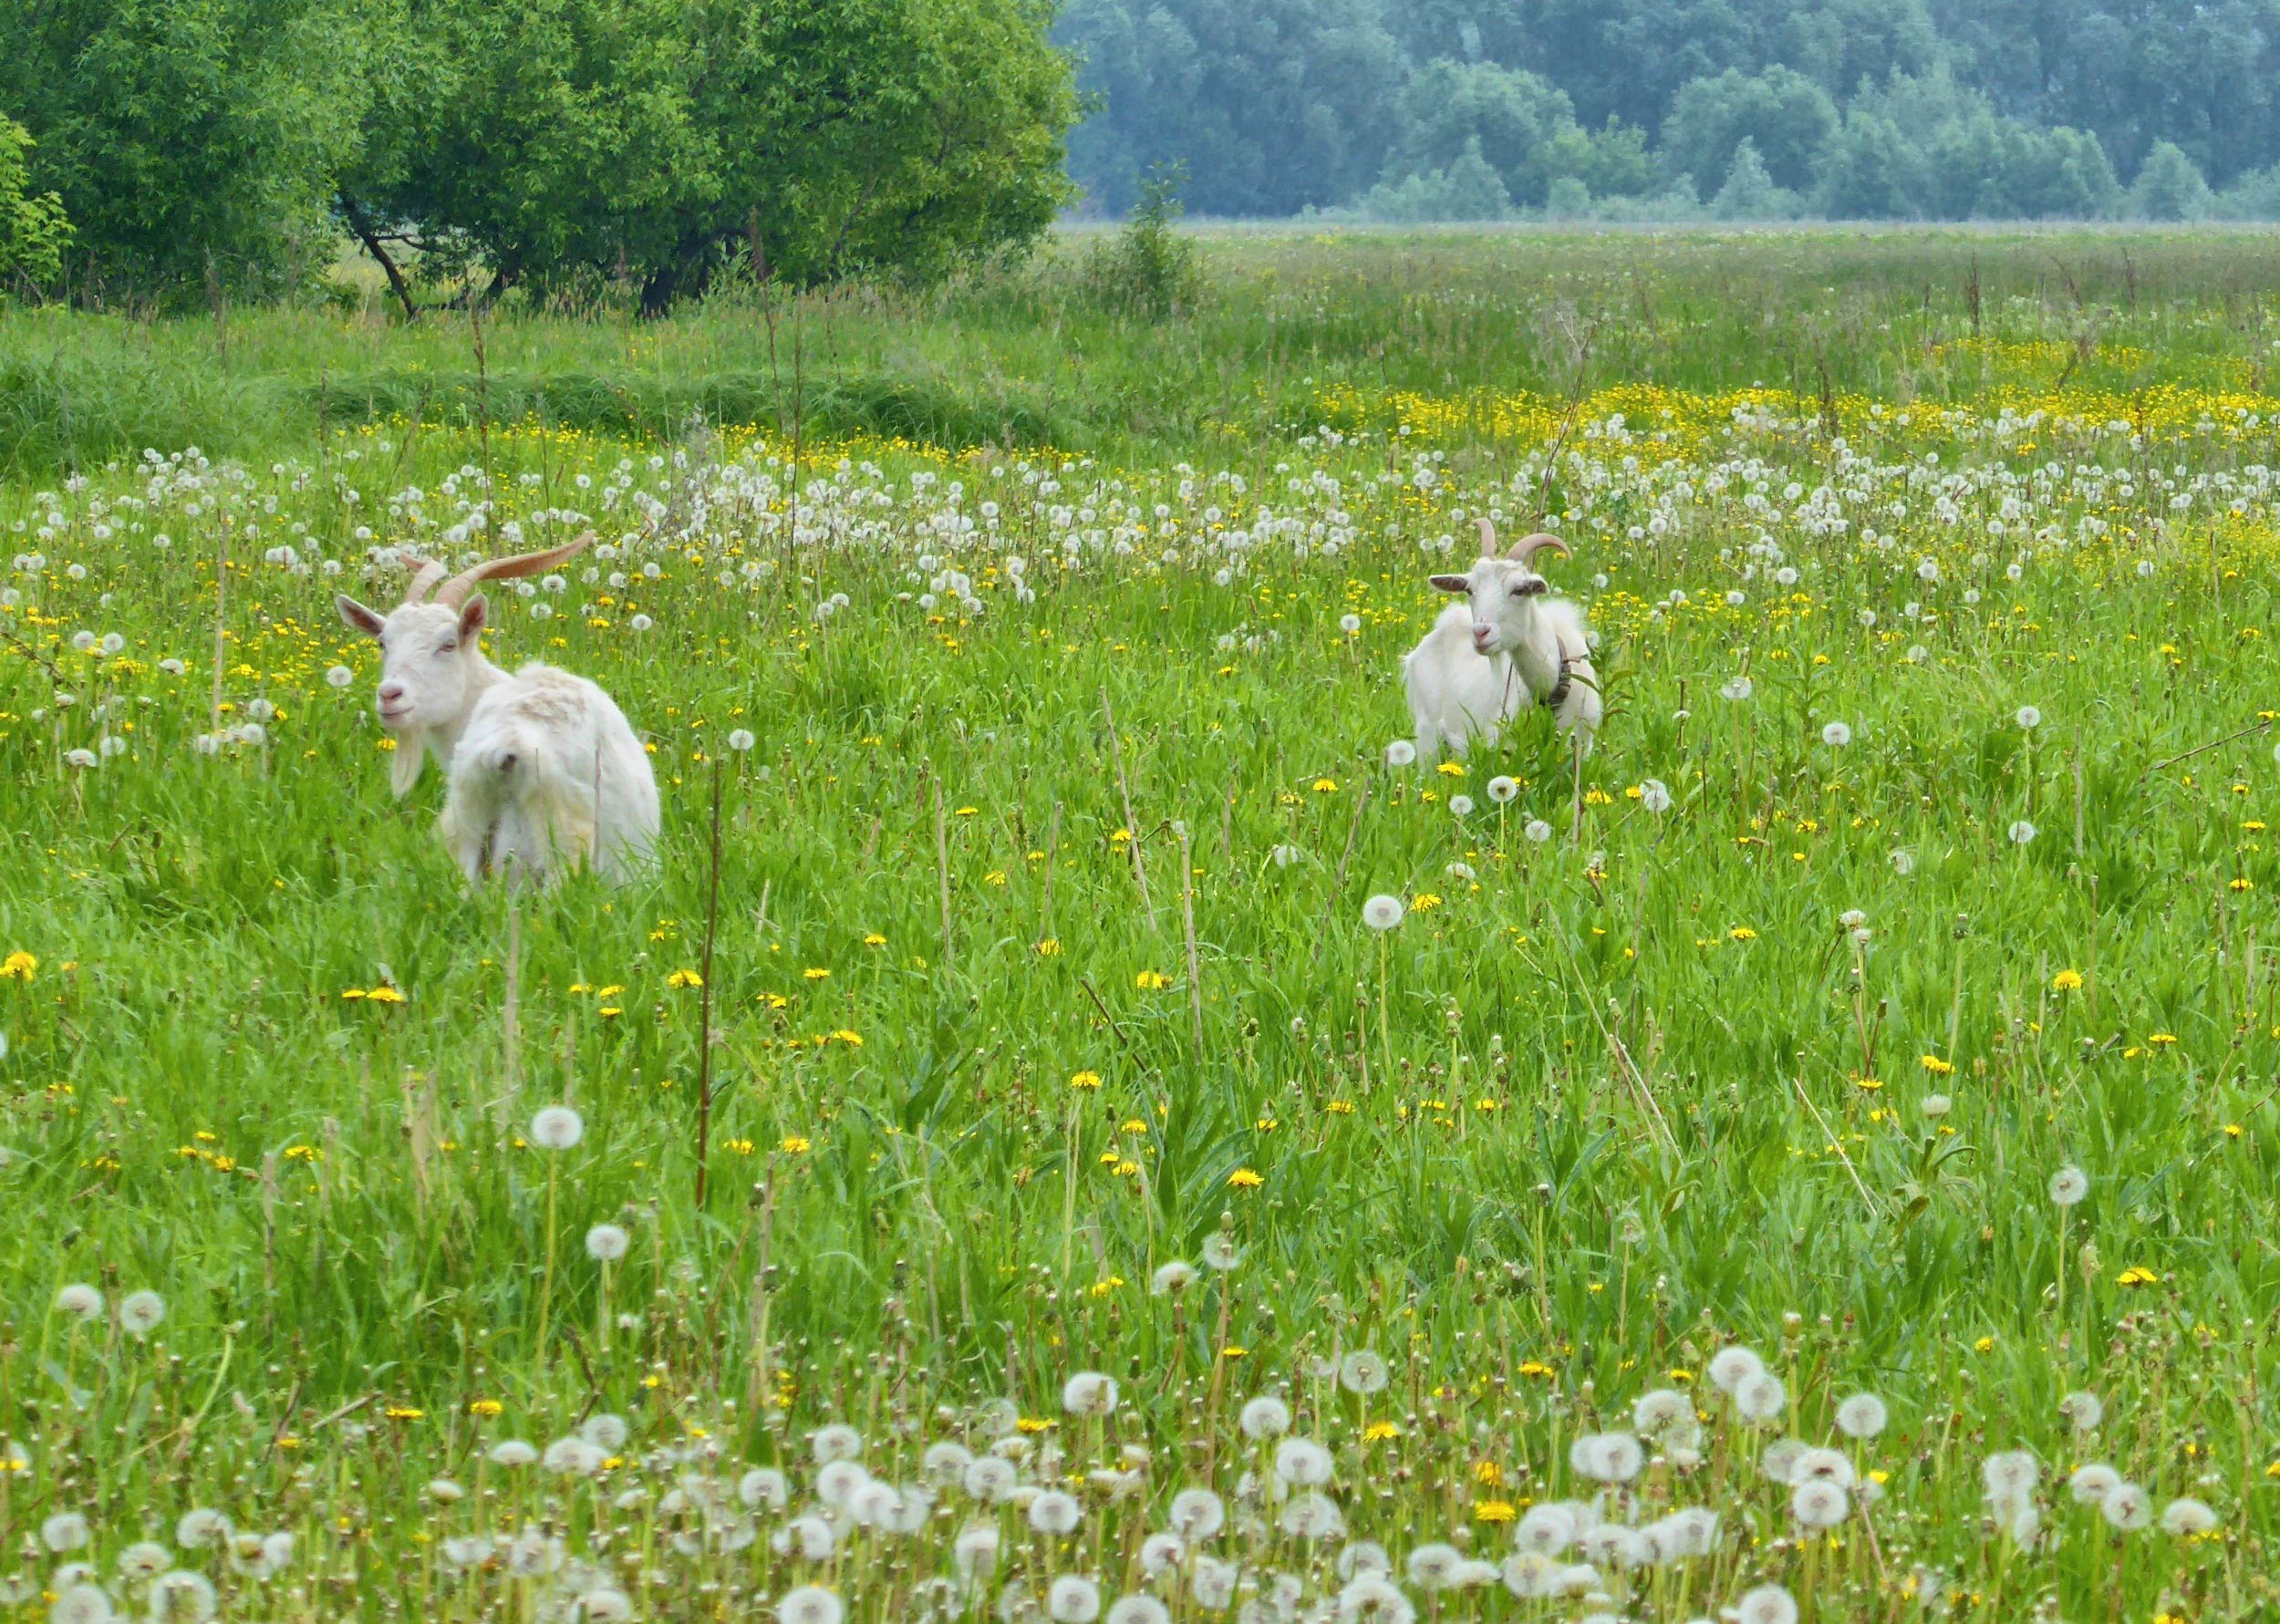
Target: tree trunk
(378, 250)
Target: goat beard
(411, 755)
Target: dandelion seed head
(1301, 1463)
(2127, 1508)
(1363, 1371)
(1503, 790)
(1055, 1513)
(557, 1128)
(139, 1312)
(1266, 1417)
(2187, 1517)
(2069, 1185)
(607, 1243)
(81, 1301)
(809, 1604)
(1089, 1392)
(64, 1531)
(1767, 1603)
(1837, 735)
(1819, 1504)
(1730, 1366)
(1400, 754)
(1863, 1415)
(1072, 1600)
(1383, 912)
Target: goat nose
(391, 691)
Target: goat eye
(448, 649)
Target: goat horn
(425, 574)
(1487, 538)
(453, 593)
(1526, 547)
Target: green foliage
(1785, 115)
(1612, 161)
(2014, 108)
(218, 145)
(34, 229)
(1503, 117)
(646, 140)
(192, 142)
(1148, 267)
(2168, 186)
(1469, 189)
(1749, 192)
(1275, 105)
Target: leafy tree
(34, 229)
(192, 142)
(1504, 118)
(2168, 186)
(1469, 189)
(1612, 162)
(1275, 105)
(1749, 192)
(649, 141)
(1870, 171)
(2253, 196)
(1785, 115)
(1148, 266)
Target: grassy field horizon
(1812, 1157)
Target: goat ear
(1451, 582)
(357, 617)
(474, 616)
(403, 766)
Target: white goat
(1510, 648)
(544, 769)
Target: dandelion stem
(1188, 925)
(704, 1000)
(546, 1281)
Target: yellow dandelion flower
(1325, 786)
(1493, 1511)
(1743, 933)
(385, 995)
(486, 1408)
(2137, 1275)
(1423, 901)
(816, 975)
(851, 1039)
(1935, 1065)
(1450, 769)
(1151, 980)
(2066, 981)
(1085, 1080)
(684, 978)
(18, 967)
(1380, 1432)
(874, 940)
(794, 1145)
(1243, 1178)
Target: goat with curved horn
(1511, 647)
(544, 769)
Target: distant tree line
(1737, 109)
(206, 147)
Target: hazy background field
(1063, 353)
